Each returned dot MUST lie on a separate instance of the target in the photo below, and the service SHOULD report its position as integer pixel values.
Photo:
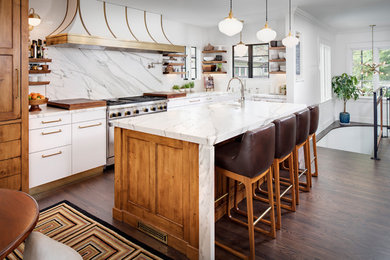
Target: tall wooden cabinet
(13, 94)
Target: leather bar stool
(247, 162)
(314, 118)
(302, 134)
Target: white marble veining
(53, 111)
(209, 124)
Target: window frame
(326, 89)
(188, 63)
(250, 60)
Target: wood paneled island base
(156, 184)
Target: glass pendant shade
(33, 18)
(240, 49)
(290, 41)
(230, 25)
(266, 34)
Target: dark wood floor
(345, 216)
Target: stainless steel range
(129, 107)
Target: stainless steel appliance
(120, 108)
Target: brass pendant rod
(105, 18)
(81, 18)
(162, 29)
(128, 26)
(147, 29)
(63, 20)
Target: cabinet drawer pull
(50, 155)
(50, 122)
(81, 127)
(54, 132)
(192, 101)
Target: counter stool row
(257, 158)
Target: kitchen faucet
(242, 100)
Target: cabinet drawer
(88, 145)
(83, 116)
(49, 165)
(9, 132)
(50, 137)
(49, 121)
(10, 167)
(12, 182)
(10, 149)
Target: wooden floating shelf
(39, 71)
(278, 60)
(173, 64)
(214, 72)
(277, 72)
(181, 72)
(38, 83)
(214, 61)
(38, 60)
(277, 48)
(215, 51)
(174, 55)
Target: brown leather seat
(285, 136)
(250, 157)
(314, 118)
(303, 125)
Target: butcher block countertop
(78, 103)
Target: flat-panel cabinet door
(88, 145)
(10, 59)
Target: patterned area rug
(91, 237)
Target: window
(192, 61)
(384, 56)
(325, 73)
(254, 64)
(365, 81)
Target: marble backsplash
(101, 74)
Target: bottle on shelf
(43, 50)
(34, 49)
(39, 49)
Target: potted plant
(219, 67)
(183, 88)
(344, 87)
(176, 88)
(191, 85)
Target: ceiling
(337, 14)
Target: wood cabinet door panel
(10, 150)
(10, 132)
(10, 167)
(10, 49)
(6, 17)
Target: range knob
(160, 107)
(154, 108)
(113, 115)
(165, 107)
(127, 113)
(136, 111)
(146, 110)
(119, 114)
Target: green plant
(191, 84)
(219, 66)
(176, 87)
(344, 86)
(184, 86)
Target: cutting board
(78, 103)
(166, 94)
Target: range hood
(112, 29)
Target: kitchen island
(164, 168)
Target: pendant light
(368, 68)
(230, 25)
(266, 34)
(290, 40)
(240, 49)
(33, 18)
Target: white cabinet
(49, 165)
(88, 145)
(49, 137)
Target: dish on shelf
(282, 67)
(208, 58)
(282, 55)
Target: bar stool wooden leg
(271, 203)
(251, 227)
(277, 194)
(296, 174)
(306, 150)
(293, 183)
(315, 174)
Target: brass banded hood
(67, 34)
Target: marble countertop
(53, 111)
(209, 124)
(221, 93)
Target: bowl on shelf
(209, 68)
(282, 67)
(208, 58)
(35, 103)
(282, 55)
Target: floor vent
(160, 236)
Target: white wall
(362, 109)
